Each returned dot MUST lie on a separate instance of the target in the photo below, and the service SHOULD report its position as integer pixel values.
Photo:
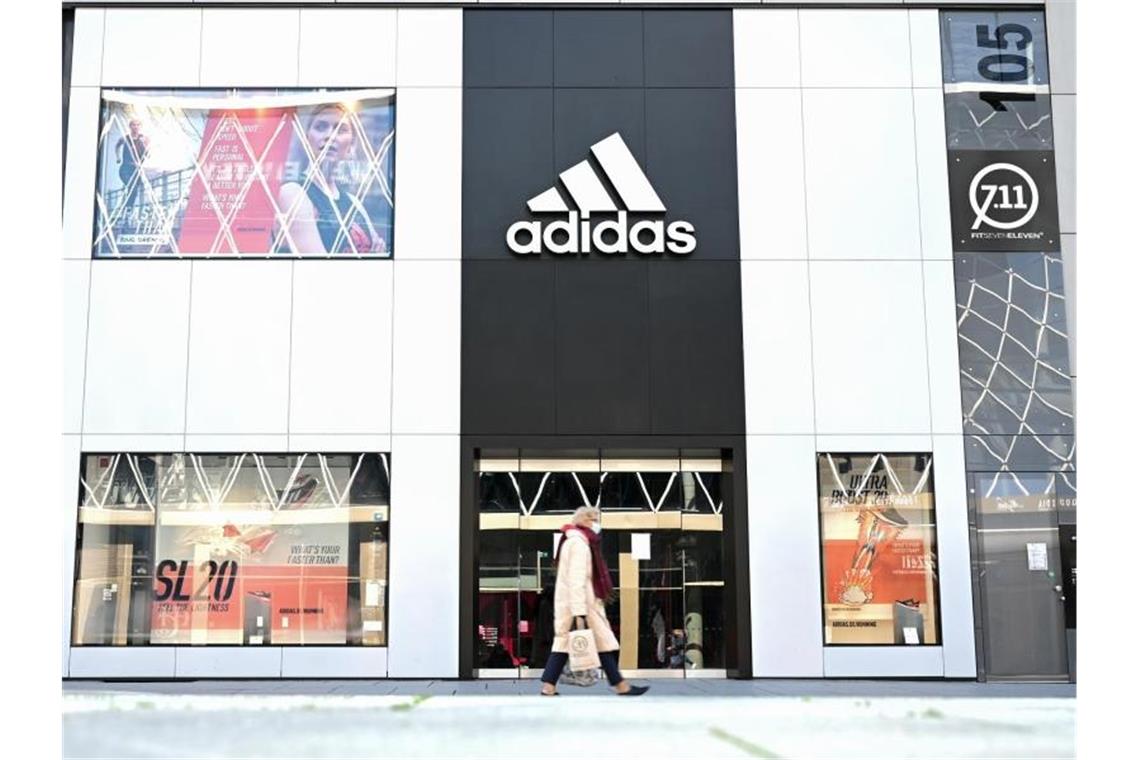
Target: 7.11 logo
(991, 201)
(1003, 200)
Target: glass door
(1021, 577)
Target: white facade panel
(87, 47)
(334, 662)
(136, 347)
(341, 367)
(134, 443)
(766, 46)
(427, 347)
(955, 590)
(869, 346)
(122, 662)
(69, 477)
(777, 362)
(250, 47)
(855, 48)
(348, 47)
(339, 444)
(783, 563)
(429, 47)
(1061, 26)
(236, 444)
(82, 165)
(770, 174)
(1065, 141)
(942, 347)
(887, 444)
(76, 286)
(883, 662)
(429, 154)
(228, 662)
(238, 378)
(933, 175)
(424, 558)
(152, 47)
(862, 185)
(925, 48)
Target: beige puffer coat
(574, 594)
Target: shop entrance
(663, 529)
(1026, 576)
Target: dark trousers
(558, 661)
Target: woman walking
(582, 586)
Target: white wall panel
(942, 347)
(348, 47)
(1061, 26)
(238, 379)
(339, 444)
(79, 181)
(861, 179)
(1069, 259)
(235, 444)
(777, 360)
(429, 47)
(334, 662)
(87, 47)
(76, 284)
(250, 47)
(883, 662)
(69, 477)
(869, 345)
(766, 45)
(152, 47)
(783, 563)
(228, 662)
(424, 557)
(933, 176)
(136, 443)
(426, 350)
(954, 574)
(925, 48)
(122, 662)
(890, 444)
(855, 48)
(770, 174)
(136, 347)
(1065, 143)
(429, 156)
(341, 369)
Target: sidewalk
(879, 720)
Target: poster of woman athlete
(246, 173)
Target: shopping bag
(583, 650)
(579, 677)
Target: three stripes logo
(614, 235)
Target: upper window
(879, 555)
(245, 173)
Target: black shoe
(634, 691)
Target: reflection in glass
(235, 549)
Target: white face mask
(596, 527)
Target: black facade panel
(508, 157)
(688, 48)
(697, 359)
(508, 48)
(603, 347)
(582, 117)
(598, 49)
(507, 367)
(691, 158)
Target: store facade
(352, 330)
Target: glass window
(994, 47)
(880, 570)
(234, 549)
(245, 172)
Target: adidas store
(352, 329)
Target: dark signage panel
(1004, 201)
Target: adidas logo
(614, 235)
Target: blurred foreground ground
(506, 721)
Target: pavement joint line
(754, 750)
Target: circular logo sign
(1006, 201)
(579, 644)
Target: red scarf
(603, 585)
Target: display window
(232, 549)
(245, 173)
(880, 560)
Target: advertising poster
(877, 517)
(253, 173)
(251, 584)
